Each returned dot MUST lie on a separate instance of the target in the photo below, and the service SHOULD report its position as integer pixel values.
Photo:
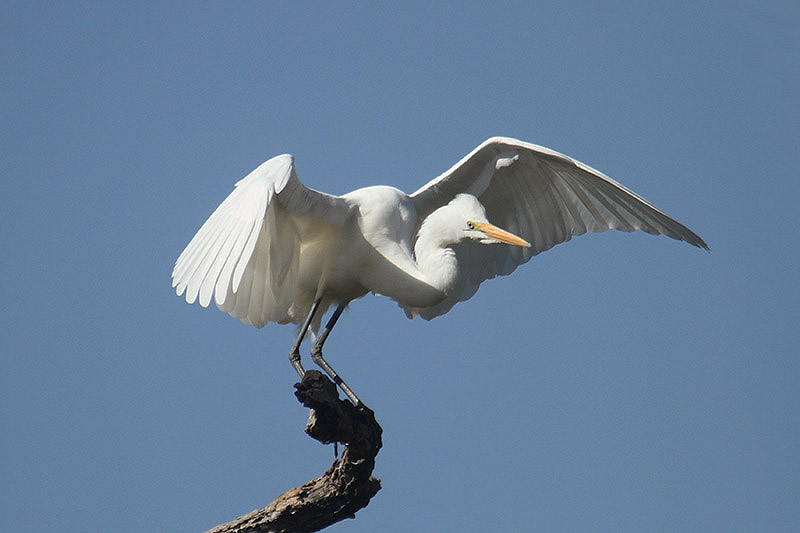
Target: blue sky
(617, 382)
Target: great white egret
(277, 251)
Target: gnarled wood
(344, 488)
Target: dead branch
(344, 488)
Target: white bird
(277, 251)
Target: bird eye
(470, 225)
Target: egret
(278, 251)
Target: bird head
(477, 227)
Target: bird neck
(436, 260)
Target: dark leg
(294, 355)
(316, 356)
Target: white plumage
(275, 247)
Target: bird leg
(294, 354)
(316, 356)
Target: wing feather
(221, 257)
(246, 255)
(188, 263)
(259, 274)
(226, 272)
(541, 195)
(202, 262)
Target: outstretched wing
(544, 197)
(246, 255)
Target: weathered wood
(344, 488)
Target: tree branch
(344, 488)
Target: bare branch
(344, 488)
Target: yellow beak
(501, 235)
